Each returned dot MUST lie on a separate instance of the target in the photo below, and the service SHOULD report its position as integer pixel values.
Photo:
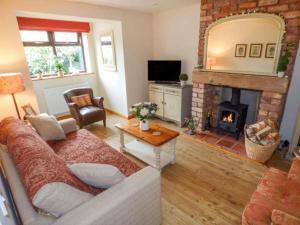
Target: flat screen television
(164, 70)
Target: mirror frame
(109, 67)
(282, 29)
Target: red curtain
(52, 25)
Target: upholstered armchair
(90, 113)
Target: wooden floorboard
(205, 186)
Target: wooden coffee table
(148, 147)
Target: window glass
(34, 36)
(44, 56)
(40, 60)
(66, 37)
(71, 57)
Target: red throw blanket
(38, 164)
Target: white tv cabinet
(174, 102)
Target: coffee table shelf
(155, 150)
(146, 153)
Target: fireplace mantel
(244, 81)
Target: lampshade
(11, 83)
(211, 61)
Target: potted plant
(190, 122)
(143, 112)
(183, 79)
(59, 68)
(283, 63)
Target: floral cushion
(84, 147)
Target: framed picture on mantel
(240, 50)
(255, 50)
(270, 50)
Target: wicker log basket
(259, 152)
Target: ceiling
(150, 6)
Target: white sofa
(134, 201)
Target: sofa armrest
(294, 172)
(68, 125)
(283, 218)
(134, 201)
(98, 101)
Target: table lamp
(211, 61)
(11, 83)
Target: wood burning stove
(232, 115)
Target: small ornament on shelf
(191, 124)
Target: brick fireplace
(207, 84)
(207, 92)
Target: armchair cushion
(82, 100)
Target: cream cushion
(97, 175)
(47, 127)
(58, 198)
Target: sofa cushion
(97, 175)
(84, 147)
(47, 127)
(59, 198)
(38, 165)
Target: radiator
(55, 101)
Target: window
(43, 49)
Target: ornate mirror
(249, 43)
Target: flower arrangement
(144, 111)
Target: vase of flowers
(143, 112)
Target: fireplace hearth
(232, 115)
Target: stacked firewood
(264, 133)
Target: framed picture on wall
(240, 50)
(270, 50)
(108, 51)
(29, 111)
(255, 50)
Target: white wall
(112, 83)
(176, 36)
(291, 113)
(137, 28)
(12, 59)
(222, 40)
